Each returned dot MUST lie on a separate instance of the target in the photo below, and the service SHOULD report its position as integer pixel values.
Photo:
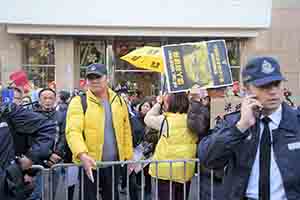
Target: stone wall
(10, 53)
(281, 41)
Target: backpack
(84, 101)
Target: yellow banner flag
(146, 58)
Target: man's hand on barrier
(54, 159)
(88, 164)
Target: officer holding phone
(259, 146)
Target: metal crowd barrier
(56, 180)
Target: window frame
(27, 66)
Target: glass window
(124, 47)
(39, 60)
(233, 48)
(136, 79)
(177, 40)
(147, 83)
(91, 52)
(235, 73)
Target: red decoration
(82, 83)
(26, 88)
(236, 88)
(19, 78)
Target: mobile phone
(257, 110)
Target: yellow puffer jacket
(93, 125)
(179, 143)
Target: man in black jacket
(46, 107)
(13, 170)
(260, 145)
(60, 151)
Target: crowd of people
(253, 151)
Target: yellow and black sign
(203, 63)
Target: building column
(110, 62)
(65, 64)
(76, 64)
(10, 54)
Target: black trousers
(177, 190)
(124, 176)
(106, 182)
(135, 184)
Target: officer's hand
(247, 120)
(25, 163)
(88, 164)
(54, 159)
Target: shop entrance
(141, 81)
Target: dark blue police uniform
(23, 121)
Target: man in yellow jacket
(102, 133)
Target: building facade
(53, 43)
(282, 41)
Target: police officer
(259, 146)
(13, 178)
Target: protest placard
(203, 63)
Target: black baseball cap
(97, 69)
(261, 71)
